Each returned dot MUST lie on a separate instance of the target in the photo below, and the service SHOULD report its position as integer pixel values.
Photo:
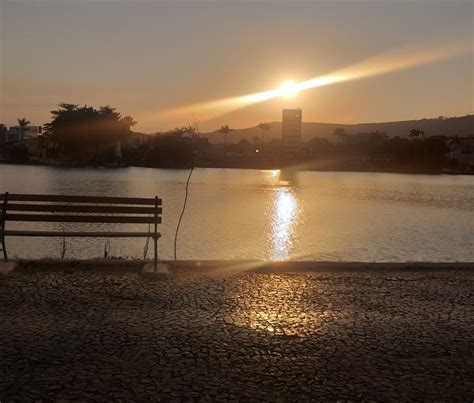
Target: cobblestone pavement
(398, 335)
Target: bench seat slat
(61, 208)
(83, 218)
(79, 234)
(80, 199)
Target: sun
(288, 89)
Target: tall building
(291, 134)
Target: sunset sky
(146, 57)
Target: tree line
(88, 135)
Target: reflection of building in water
(285, 212)
(291, 134)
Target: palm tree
(225, 130)
(178, 131)
(419, 134)
(23, 123)
(264, 127)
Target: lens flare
(288, 89)
(388, 62)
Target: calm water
(269, 214)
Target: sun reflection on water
(285, 212)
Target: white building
(15, 133)
(462, 151)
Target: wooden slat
(60, 208)
(80, 199)
(78, 234)
(83, 218)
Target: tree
(244, 146)
(264, 127)
(417, 134)
(190, 131)
(23, 123)
(79, 131)
(340, 133)
(256, 140)
(225, 130)
(454, 141)
(178, 131)
(170, 150)
(181, 131)
(128, 121)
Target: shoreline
(256, 266)
(105, 166)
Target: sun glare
(288, 89)
(394, 60)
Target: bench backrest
(86, 209)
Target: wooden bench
(80, 209)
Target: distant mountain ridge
(458, 126)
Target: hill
(457, 126)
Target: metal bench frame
(83, 209)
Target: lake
(277, 215)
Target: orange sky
(146, 57)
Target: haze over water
(272, 215)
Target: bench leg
(155, 240)
(4, 249)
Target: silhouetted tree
(170, 150)
(264, 127)
(416, 134)
(454, 141)
(23, 123)
(79, 131)
(128, 121)
(256, 140)
(244, 146)
(225, 130)
(318, 146)
(190, 130)
(340, 133)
